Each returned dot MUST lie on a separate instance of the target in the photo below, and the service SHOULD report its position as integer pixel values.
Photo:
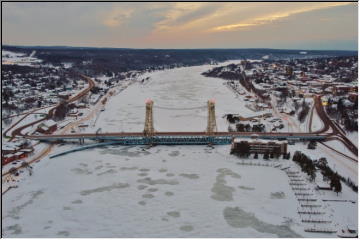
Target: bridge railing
(176, 138)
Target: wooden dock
(319, 230)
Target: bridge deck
(170, 138)
(83, 148)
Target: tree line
(309, 167)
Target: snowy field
(353, 136)
(337, 162)
(164, 191)
(20, 59)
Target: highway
(336, 130)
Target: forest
(116, 60)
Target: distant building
(63, 95)
(259, 146)
(353, 97)
(47, 127)
(12, 151)
(12, 147)
(81, 105)
(342, 89)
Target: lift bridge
(151, 137)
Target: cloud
(178, 24)
(267, 19)
(117, 16)
(182, 14)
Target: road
(17, 132)
(327, 124)
(320, 133)
(17, 122)
(336, 130)
(97, 108)
(32, 111)
(62, 135)
(140, 134)
(338, 152)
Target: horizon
(183, 25)
(130, 48)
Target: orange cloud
(272, 17)
(178, 11)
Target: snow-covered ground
(339, 146)
(158, 192)
(317, 124)
(21, 59)
(353, 136)
(164, 191)
(337, 162)
(28, 119)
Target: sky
(285, 25)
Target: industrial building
(239, 145)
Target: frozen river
(180, 102)
(177, 191)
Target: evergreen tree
(335, 183)
(322, 163)
(338, 187)
(312, 173)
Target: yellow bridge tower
(211, 124)
(149, 122)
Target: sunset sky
(311, 25)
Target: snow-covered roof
(26, 150)
(237, 140)
(8, 148)
(50, 123)
(347, 103)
